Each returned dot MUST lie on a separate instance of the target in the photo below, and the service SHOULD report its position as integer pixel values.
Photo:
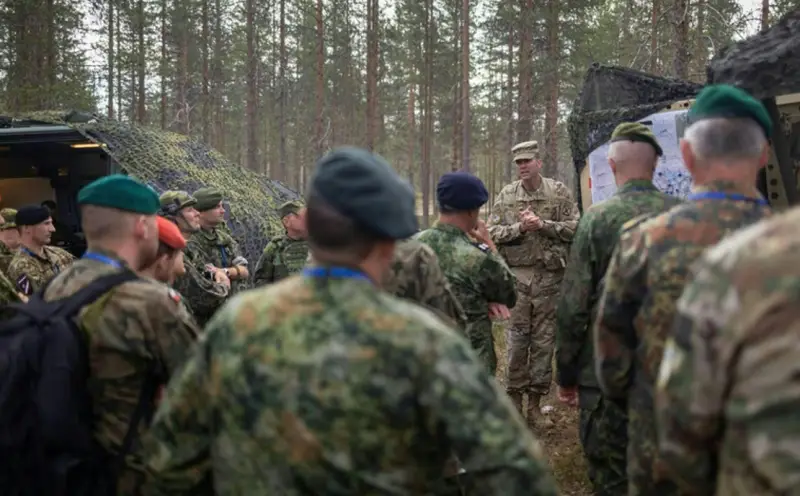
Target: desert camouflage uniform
(137, 328)
(538, 259)
(603, 421)
(282, 257)
(30, 272)
(726, 398)
(478, 277)
(645, 278)
(216, 247)
(327, 386)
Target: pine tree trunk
(320, 100)
(251, 105)
(141, 109)
(205, 43)
(509, 104)
(163, 65)
(111, 61)
(282, 160)
(552, 81)
(681, 49)
(764, 14)
(525, 122)
(465, 110)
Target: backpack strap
(94, 290)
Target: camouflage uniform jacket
(134, 329)
(6, 255)
(203, 296)
(727, 401)
(592, 246)
(548, 246)
(646, 276)
(282, 257)
(477, 275)
(216, 247)
(415, 275)
(327, 386)
(8, 292)
(30, 272)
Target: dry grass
(560, 441)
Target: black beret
(363, 187)
(461, 191)
(30, 215)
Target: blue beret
(725, 101)
(363, 187)
(461, 191)
(121, 192)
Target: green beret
(363, 187)
(635, 131)
(290, 207)
(178, 199)
(207, 198)
(725, 101)
(121, 192)
(9, 216)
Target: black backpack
(46, 442)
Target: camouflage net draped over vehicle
(167, 160)
(766, 64)
(612, 95)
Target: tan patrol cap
(527, 150)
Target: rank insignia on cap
(24, 285)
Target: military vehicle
(766, 64)
(49, 156)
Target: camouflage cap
(207, 198)
(635, 131)
(173, 201)
(10, 217)
(290, 207)
(527, 150)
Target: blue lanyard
(102, 258)
(719, 195)
(340, 272)
(222, 256)
(56, 268)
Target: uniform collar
(728, 187)
(636, 185)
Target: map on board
(671, 176)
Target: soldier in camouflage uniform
(478, 275)
(632, 156)
(213, 245)
(9, 238)
(204, 292)
(35, 263)
(365, 399)
(723, 149)
(532, 222)
(726, 399)
(287, 254)
(136, 329)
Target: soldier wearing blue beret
(480, 278)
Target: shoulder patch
(24, 285)
(481, 246)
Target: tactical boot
(516, 398)
(535, 417)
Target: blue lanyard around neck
(89, 255)
(56, 267)
(337, 272)
(719, 195)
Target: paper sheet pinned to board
(671, 176)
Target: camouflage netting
(766, 64)
(611, 95)
(167, 160)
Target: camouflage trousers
(604, 438)
(482, 341)
(531, 332)
(645, 477)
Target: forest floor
(561, 440)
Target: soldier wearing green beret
(9, 238)
(375, 392)
(724, 148)
(213, 245)
(204, 295)
(135, 329)
(284, 255)
(633, 156)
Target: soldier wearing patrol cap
(481, 281)
(365, 379)
(533, 220)
(9, 238)
(284, 255)
(724, 148)
(632, 156)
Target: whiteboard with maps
(671, 176)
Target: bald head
(632, 160)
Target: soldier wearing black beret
(480, 278)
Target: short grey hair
(722, 138)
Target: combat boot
(535, 417)
(516, 399)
